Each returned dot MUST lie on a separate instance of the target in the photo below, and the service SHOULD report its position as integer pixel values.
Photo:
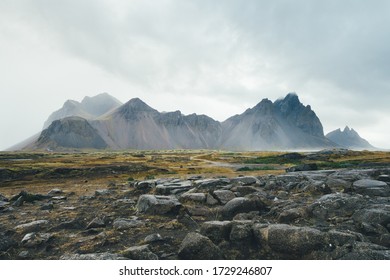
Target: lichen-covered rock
(123, 223)
(224, 196)
(198, 247)
(139, 253)
(216, 230)
(158, 204)
(32, 226)
(335, 205)
(291, 240)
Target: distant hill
(349, 138)
(101, 122)
(89, 108)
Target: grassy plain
(84, 170)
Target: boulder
(335, 205)
(32, 226)
(196, 197)
(198, 247)
(34, 239)
(173, 187)
(122, 223)
(242, 205)
(223, 196)
(291, 240)
(158, 204)
(379, 215)
(245, 180)
(217, 231)
(371, 187)
(96, 223)
(241, 232)
(139, 253)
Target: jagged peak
(101, 96)
(71, 103)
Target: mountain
(69, 132)
(283, 124)
(136, 125)
(349, 138)
(89, 108)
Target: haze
(210, 57)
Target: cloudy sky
(210, 57)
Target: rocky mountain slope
(284, 124)
(349, 138)
(89, 108)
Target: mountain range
(349, 138)
(103, 122)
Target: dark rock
(3, 198)
(152, 238)
(145, 186)
(292, 156)
(244, 190)
(196, 197)
(3, 205)
(371, 187)
(198, 247)
(47, 206)
(384, 178)
(139, 253)
(245, 180)
(28, 197)
(55, 192)
(242, 205)
(210, 200)
(211, 184)
(217, 231)
(158, 204)
(76, 223)
(335, 205)
(290, 215)
(123, 201)
(173, 188)
(241, 232)
(96, 223)
(303, 167)
(34, 239)
(94, 256)
(291, 240)
(6, 242)
(32, 226)
(24, 255)
(122, 223)
(367, 251)
(379, 215)
(223, 196)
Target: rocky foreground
(336, 214)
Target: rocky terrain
(312, 214)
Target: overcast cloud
(210, 57)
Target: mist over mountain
(349, 138)
(284, 124)
(89, 108)
(101, 122)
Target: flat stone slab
(371, 187)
